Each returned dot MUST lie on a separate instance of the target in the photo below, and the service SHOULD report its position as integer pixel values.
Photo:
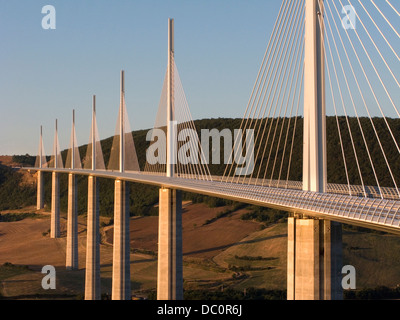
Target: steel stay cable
(270, 127)
(271, 62)
(274, 85)
(288, 99)
(351, 96)
(277, 22)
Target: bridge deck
(375, 213)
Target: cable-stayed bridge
(332, 57)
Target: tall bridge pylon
(170, 264)
(314, 245)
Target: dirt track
(200, 240)
(27, 242)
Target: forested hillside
(143, 197)
(14, 193)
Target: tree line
(372, 162)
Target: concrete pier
(92, 277)
(333, 260)
(314, 245)
(314, 259)
(40, 191)
(170, 270)
(121, 280)
(55, 206)
(72, 225)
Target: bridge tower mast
(40, 179)
(92, 275)
(55, 193)
(170, 267)
(314, 152)
(314, 245)
(71, 261)
(170, 102)
(121, 280)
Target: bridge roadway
(375, 213)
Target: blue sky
(45, 74)
(219, 46)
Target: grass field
(227, 253)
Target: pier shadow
(234, 244)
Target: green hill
(14, 194)
(374, 253)
(144, 197)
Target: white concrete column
(314, 259)
(40, 191)
(291, 258)
(314, 250)
(171, 128)
(55, 206)
(72, 224)
(40, 179)
(314, 149)
(121, 282)
(170, 269)
(92, 277)
(333, 260)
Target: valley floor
(226, 253)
